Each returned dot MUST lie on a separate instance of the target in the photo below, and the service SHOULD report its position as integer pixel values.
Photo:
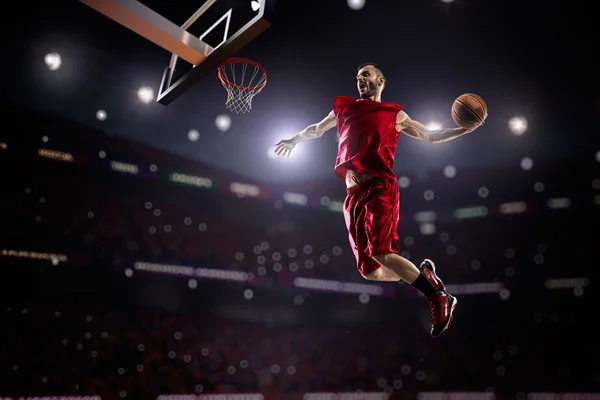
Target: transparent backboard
(199, 35)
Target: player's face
(367, 82)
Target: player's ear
(381, 81)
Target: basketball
(469, 111)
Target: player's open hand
(284, 147)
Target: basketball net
(242, 79)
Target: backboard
(200, 34)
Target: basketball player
(368, 132)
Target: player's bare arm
(314, 131)
(419, 131)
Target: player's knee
(382, 259)
(374, 275)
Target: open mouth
(362, 86)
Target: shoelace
(434, 304)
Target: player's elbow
(424, 137)
(320, 130)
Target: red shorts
(371, 211)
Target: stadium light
(223, 122)
(356, 4)
(101, 115)
(53, 61)
(193, 135)
(517, 125)
(434, 126)
(145, 94)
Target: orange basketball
(469, 110)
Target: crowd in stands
(79, 348)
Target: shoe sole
(452, 307)
(430, 265)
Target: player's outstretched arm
(419, 131)
(314, 131)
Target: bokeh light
(101, 115)
(223, 122)
(145, 94)
(193, 135)
(450, 171)
(53, 61)
(517, 125)
(434, 126)
(526, 163)
(356, 4)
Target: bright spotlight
(145, 94)
(271, 153)
(193, 135)
(53, 61)
(447, 1)
(255, 5)
(517, 125)
(434, 126)
(223, 122)
(356, 4)
(101, 115)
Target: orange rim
(225, 81)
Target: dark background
(79, 317)
(524, 58)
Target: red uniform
(367, 145)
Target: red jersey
(368, 136)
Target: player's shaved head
(376, 67)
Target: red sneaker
(442, 305)
(427, 267)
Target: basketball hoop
(240, 83)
